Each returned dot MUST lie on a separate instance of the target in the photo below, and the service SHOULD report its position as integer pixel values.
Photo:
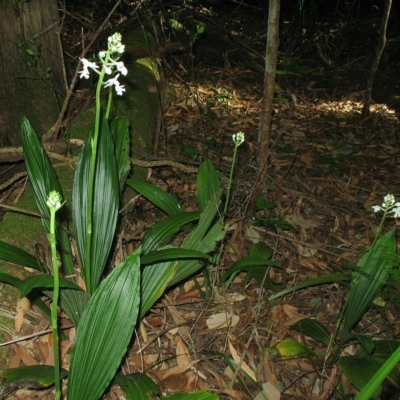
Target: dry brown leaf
(26, 358)
(178, 319)
(182, 355)
(23, 305)
(271, 391)
(291, 311)
(371, 201)
(243, 365)
(176, 370)
(268, 374)
(222, 320)
(234, 394)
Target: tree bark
(31, 71)
(377, 58)
(269, 86)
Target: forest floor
(327, 167)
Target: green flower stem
(54, 326)
(92, 171)
(109, 103)
(231, 178)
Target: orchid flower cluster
(389, 205)
(110, 64)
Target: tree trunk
(269, 86)
(377, 58)
(31, 71)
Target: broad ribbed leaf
(365, 285)
(246, 264)
(72, 302)
(383, 349)
(31, 377)
(120, 133)
(321, 280)
(313, 329)
(157, 196)
(206, 218)
(203, 238)
(137, 386)
(105, 203)
(44, 180)
(104, 331)
(10, 279)
(187, 268)
(155, 279)
(41, 173)
(208, 183)
(164, 229)
(261, 250)
(14, 254)
(360, 371)
(171, 254)
(43, 282)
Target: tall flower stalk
(109, 66)
(54, 202)
(238, 139)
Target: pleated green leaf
(164, 229)
(321, 280)
(155, 279)
(31, 377)
(163, 200)
(72, 302)
(383, 349)
(360, 371)
(10, 279)
(14, 254)
(120, 133)
(104, 331)
(247, 264)
(313, 329)
(209, 231)
(40, 171)
(208, 183)
(261, 250)
(387, 369)
(171, 254)
(105, 203)
(42, 282)
(374, 267)
(44, 180)
(137, 386)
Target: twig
(33, 335)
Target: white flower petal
(84, 73)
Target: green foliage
(132, 288)
(30, 377)
(44, 180)
(105, 204)
(373, 361)
(256, 266)
(105, 330)
(365, 285)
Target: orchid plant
(106, 312)
(374, 360)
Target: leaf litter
(327, 168)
